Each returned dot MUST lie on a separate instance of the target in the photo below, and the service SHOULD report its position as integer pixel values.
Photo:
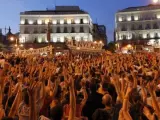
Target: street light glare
(155, 1)
(11, 38)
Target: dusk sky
(101, 10)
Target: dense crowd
(80, 87)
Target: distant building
(99, 33)
(138, 26)
(67, 23)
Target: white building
(138, 25)
(67, 23)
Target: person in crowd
(80, 86)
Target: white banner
(47, 49)
(87, 45)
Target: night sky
(102, 11)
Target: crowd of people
(80, 87)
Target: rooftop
(141, 8)
(59, 10)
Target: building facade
(99, 33)
(66, 23)
(138, 26)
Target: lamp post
(12, 38)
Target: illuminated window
(61, 21)
(135, 18)
(39, 22)
(61, 39)
(129, 18)
(144, 35)
(54, 22)
(22, 22)
(69, 21)
(77, 21)
(54, 39)
(158, 16)
(85, 21)
(77, 38)
(152, 35)
(85, 38)
(39, 39)
(30, 22)
(47, 21)
(120, 19)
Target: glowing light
(129, 18)
(158, 16)
(21, 45)
(120, 19)
(61, 21)
(77, 38)
(11, 38)
(129, 46)
(100, 42)
(62, 39)
(46, 21)
(152, 35)
(85, 21)
(78, 48)
(16, 45)
(77, 21)
(135, 18)
(144, 36)
(30, 22)
(39, 40)
(54, 22)
(39, 22)
(30, 48)
(22, 21)
(155, 1)
(69, 21)
(54, 39)
(95, 42)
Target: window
(35, 30)
(72, 21)
(133, 27)
(140, 27)
(140, 36)
(72, 30)
(155, 26)
(123, 28)
(81, 29)
(81, 21)
(58, 30)
(148, 26)
(26, 31)
(124, 37)
(43, 31)
(132, 18)
(65, 21)
(26, 21)
(58, 39)
(65, 29)
(43, 22)
(73, 38)
(35, 22)
(58, 21)
(156, 35)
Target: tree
(111, 46)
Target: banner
(47, 49)
(84, 45)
